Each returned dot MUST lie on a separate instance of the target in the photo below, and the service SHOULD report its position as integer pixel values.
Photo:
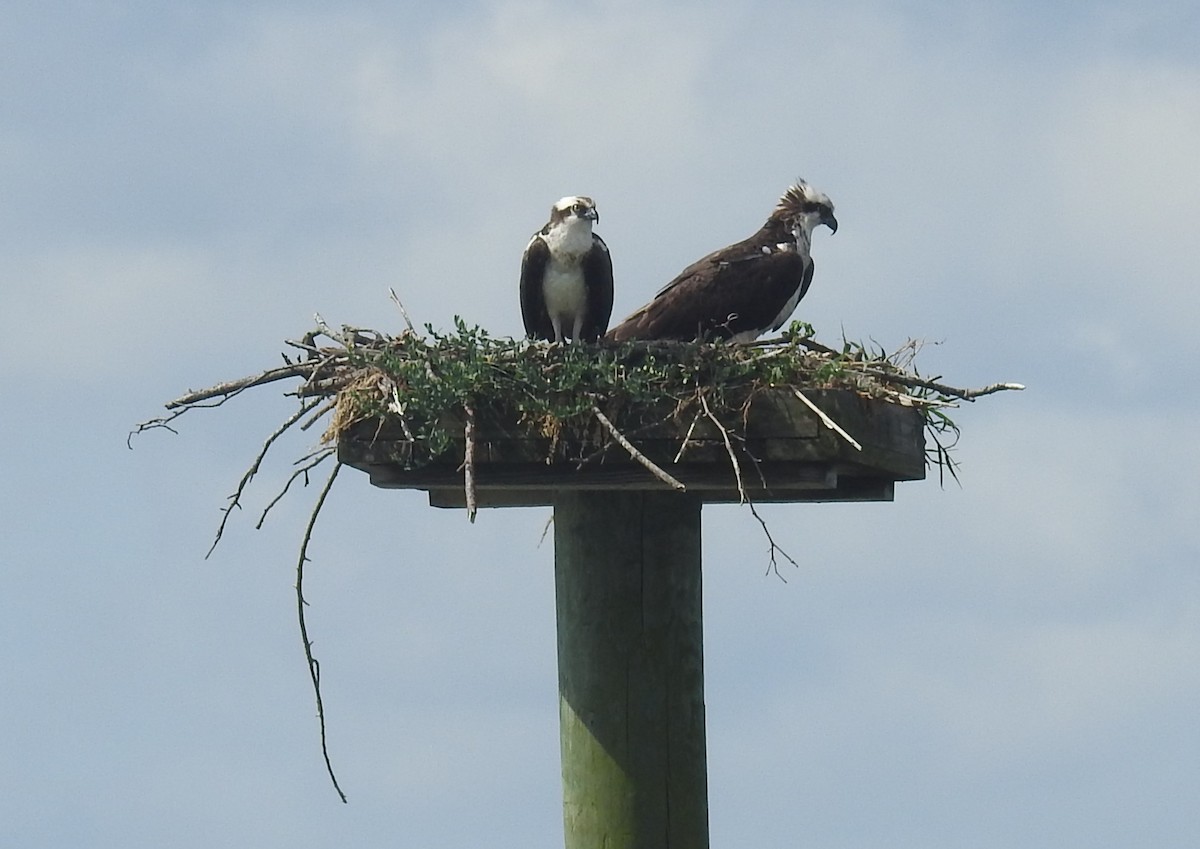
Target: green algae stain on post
(631, 660)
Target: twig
(348, 337)
(314, 668)
(773, 566)
(687, 437)
(755, 462)
(812, 345)
(325, 386)
(163, 422)
(235, 500)
(307, 344)
(403, 311)
(867, 367)
(319, 414)
(917, 401)
(178, 409)
(950, 391)
(775, 352)
(323, 456)
(825, 420)
(233, 387)
(972, 394)
(634, 453)
(737, 467)
(319, 451)
(327, 330)
(469, 461)
(745, 499)
(318, 367)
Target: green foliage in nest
(424, 384)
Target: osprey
(566, 276)
(741, 291)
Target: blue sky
(1013, 663)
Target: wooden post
(631, 669)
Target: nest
(432, 388)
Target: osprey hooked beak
(828, 220)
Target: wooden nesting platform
(787, 455)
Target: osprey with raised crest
(566, 276)
(741, 291)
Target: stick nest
(427, 384)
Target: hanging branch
(314, 668)
(321, 456)
(235, 500)
(773, 547)
(737, 467)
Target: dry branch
(320, 457)
(687, 437)
(403, 311)
(232, 387)
(772, 546)
(737, 467)
(825, 420)
(235, 500)
(314, 668)
(637, 455)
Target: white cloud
(534, 88)
(1121, 171)
(95, 300)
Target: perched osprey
(744, 290)
(566, 276)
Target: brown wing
(737, 289)
(533, 299)
(598, 278)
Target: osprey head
(574, 207)
(802, 208)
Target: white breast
(563, 285)
(565, 293)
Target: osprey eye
(578, 207)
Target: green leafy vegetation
(425, 384)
